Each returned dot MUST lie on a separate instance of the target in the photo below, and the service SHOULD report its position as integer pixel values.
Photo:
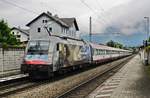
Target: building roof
(50, 16)
(66, 22)
(70, 21)
(25, 31)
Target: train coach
(103, 53)
(44, 57)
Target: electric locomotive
(44, 57)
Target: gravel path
(51, 90)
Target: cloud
(129, 18)
(109, 16)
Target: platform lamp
(147, 29)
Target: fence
(11, 58)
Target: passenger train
(44, 57)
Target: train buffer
(132, 81)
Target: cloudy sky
(119, 20)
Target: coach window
(94, 51)
(97, 51)
(106, 51)
(110, 52)
(102, 52)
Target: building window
(50, 29)
(18, 36)
(65, 30)
(39, 29)
(62, 30)
(44, 21)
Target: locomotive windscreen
(37, 52)
(38, 47)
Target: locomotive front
(38, 58)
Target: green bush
(4, 45)
(6, 38)
(147, 48)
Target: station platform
(11, 75)
(131, 81)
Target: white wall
(72, 31)
(34, 34)
(23, 37)
(57, 29)
(11, 58)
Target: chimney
(19, 27)
(49, 13)
(56, 16)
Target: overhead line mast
(90, 28)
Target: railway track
(20, 85)
(83, 89)
(11, 87)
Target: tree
(110, 43)
(149, 39)
(5, 36)
(114, 44)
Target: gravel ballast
(53, 89)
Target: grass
(147, 68)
